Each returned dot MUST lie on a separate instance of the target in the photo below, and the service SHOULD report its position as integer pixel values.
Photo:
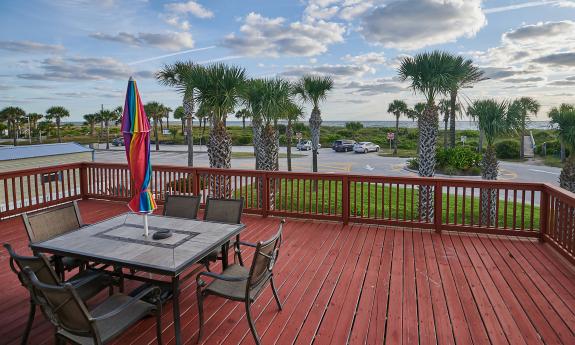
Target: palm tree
(397, 108)
(524, 108)
(56, 114)
(314, 89)
(564, 118)
(91, 120)
(253, 97)
(243, 114)
(464, 74)
(182, 76)
(494, 120)
(34, 118)
(444, 109)
(12, 115)
(431, 75)
(155, 112)
(218, 90)
(107, 117)
(168, 110)
(293, 112)
(179, 114)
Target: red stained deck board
(359, 285)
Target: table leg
(176, 307)
(225, 252)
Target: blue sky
(80, 53)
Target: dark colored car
(343, 145)
(118, 141)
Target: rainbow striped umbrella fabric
(136, 131)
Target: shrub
(413, 163)
(413, 135)
(244, 140)
(458, 158)
(553, 148)
(182, 185)
(507, 149)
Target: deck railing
(495, 207)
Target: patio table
(119, 241)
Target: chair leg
(275, 293)
(29, 323)
(252, 324)
(200, 297)
(238, 254)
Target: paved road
(330, 161)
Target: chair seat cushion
(89, 282)
(233, 290)
(115, 325)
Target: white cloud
(262, 36)
(82, 68)
(339, 72)
(30, 47)
(414, 24)
(564, 3)
(191, 7)
(375, 87)
(168, 40)
(372, 58)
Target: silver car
(305, 145)
(365, 147)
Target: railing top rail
(557, 192)
(24, 172)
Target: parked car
(305, 145)
(343, 145)
(119, 141)
(365, 147)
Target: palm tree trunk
(563, 153)
(567, 176)
(188, 113)
(258, 147)
(452, 108)
(107, 135)
(480, 144)
(58, 129)
(91, 129)
(14, 133)
(220, 154)
(314, 125)
(427, 141)
(445, 133)
(396, 137)
(162, 125)
(489, 171)
(288, 143)
(243, 122)
(156, 134)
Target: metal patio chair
(182, 206)
(75, 323)
(88, 283)
(224, 211)
(46, 224)
(238, 283)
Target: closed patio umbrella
(136, 131)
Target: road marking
(543, 171)
(369, 167)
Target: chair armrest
(218, 276)
(248, 244)
(123, 306)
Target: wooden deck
(361, 284)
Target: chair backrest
(224, 210)
(62, 305)
(182, 206)
(46, 224)
(265, 257)
(38, 264)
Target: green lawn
(367, 201)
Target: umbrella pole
(146, 225)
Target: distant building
(44, 155)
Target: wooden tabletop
(120, 240)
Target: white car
(365, 147)
(305, 145)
